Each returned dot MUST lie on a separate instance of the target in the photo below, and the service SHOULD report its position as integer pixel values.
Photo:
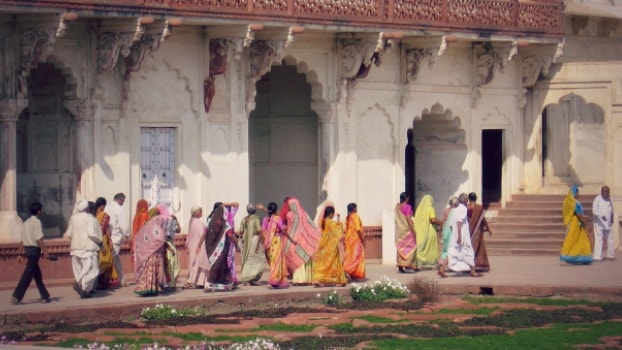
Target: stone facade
(214, 106)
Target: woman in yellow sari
(576, 248)
(427, 244)
(108, 276)
(354, 257)
(274, 235)
(327, 265)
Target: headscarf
(423, 215)
(193, 211)
(80, 206)
(141, 217)
(163, 209)
(571, 205)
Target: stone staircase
(530, 225)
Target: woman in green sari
(427, 245)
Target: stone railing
(526, 17)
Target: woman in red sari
(140, 218)
(354, 257)
(108, 276)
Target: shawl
(476, 218)
(571, 205)
(149, 239)
(303, 231)
(141, 217)
(423, 214)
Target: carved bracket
(134, 61)
(357, 55)
(37, 45)
(414, 57)
(112, 43)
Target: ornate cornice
(541, 18)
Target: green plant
(425, 288)
(380, 290)
(332, 299)
(161, 311)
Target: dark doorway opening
(492, 165)
(409, 165)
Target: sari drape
(108, 276)
(149, 257)
(427, 244)
(576, 248)
(477, 222)
(253, 257)
(354, 257)
(303, 231)
(460, 255)
(446, 234)
(140, 219)
(217, 245)
(197, 262)
(273, 244)
(327, 264)
(404, 237)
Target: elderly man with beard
(86, 236)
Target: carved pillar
(83, 112)
(10, 223)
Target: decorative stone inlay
(270, 5)
(497, 12)
(542, 18)
(218, 49)
(424, 10)
(539, 16)
(355, 8)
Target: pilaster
(10, 222)
(83, 113)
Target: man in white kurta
(461, 256)
(85, 234)
(602, 209)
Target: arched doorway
(46, 167)
(283, 139)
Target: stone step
(524, 251)
(525, 243)
(541, 204)
(528, 235)
(526, 227)
(549, 198)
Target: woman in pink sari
(405, 235)
(274, 243)
(305, 240)
(198, 266)
(149, 258)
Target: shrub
(332, 299)
(383, 289)
(425, 288)
(161, 311)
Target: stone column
(10, 222)
(328, 148)
(83, 114)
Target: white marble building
(192, 110)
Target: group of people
(576, 248)
(287, 242)
(461, 232)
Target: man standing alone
(602, 209)
(119, 231)
(33, 248)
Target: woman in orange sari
(108, 276)
(274, 242)
(140, 219)
(354, 257)
(327, 264)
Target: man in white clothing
(460, 254)
(86, 236)
(602, 209)
(119, 231)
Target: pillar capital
(82, 110)
(10, 109)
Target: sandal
(16, 302)
(476, 274)
(441, 274)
